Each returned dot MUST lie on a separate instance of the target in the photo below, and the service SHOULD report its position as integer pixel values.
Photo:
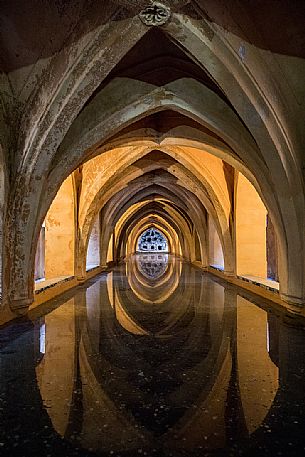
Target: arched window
(152, 240)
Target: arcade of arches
(190, 122)
(152, 236)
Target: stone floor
(154, 358)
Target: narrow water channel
(154, 358)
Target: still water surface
(153, 359)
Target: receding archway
(261, 142)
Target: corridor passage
(153, 358)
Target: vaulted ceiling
(82, 80)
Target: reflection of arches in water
(189, 376)
(153, 266)
(162, 309)
(153, 290)
(98, 399)
(152, 240)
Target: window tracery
(152, 240)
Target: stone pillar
(272, 255)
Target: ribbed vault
(152, 123)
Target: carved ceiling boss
(155, 14)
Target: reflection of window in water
(153, 266)
(42, 339)
(152, 240)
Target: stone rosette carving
(155, 14)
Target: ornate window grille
(152, 240)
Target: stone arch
(58, 174)
(116, 207)
(173, 217)
(214, 207)
(161, 222)
(52, 109)
(260, 105)
(252, 105)
(129, 228)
